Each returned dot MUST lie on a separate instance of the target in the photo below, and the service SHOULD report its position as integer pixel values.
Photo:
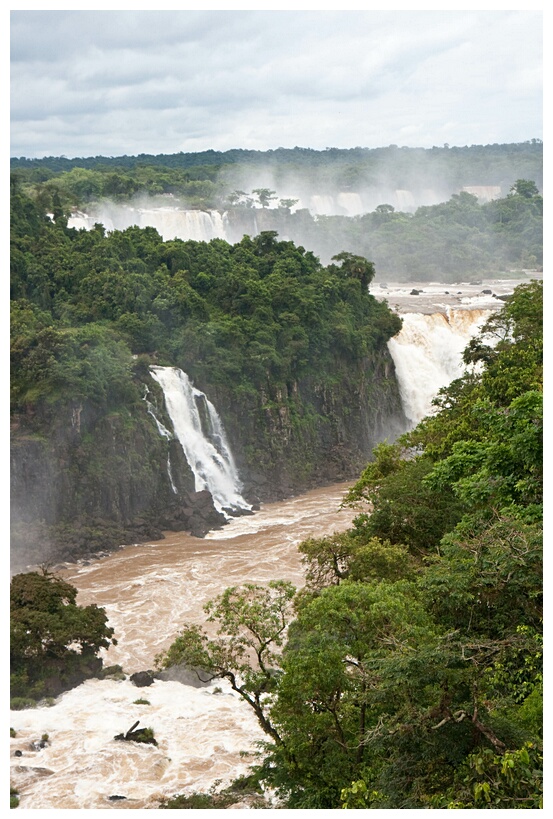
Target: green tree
(50, 634)
(525, 188)
(252, 622)
(264, 195)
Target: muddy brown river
(149, 591)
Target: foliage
(243, 787)
(50, 633)
(509, 781)
(404, 507)
(459, 237)
(411, 676)
(358, 797)
(252, 626)
(14, 798)
(263, 310)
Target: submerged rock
(144, 735)
(185, 675)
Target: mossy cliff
(292, 354)
(85, 481)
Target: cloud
(125, 82)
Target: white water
(202, 438)
(427, 354)
(149, 592)
(164, 432)
(170, 222)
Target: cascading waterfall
(427, 354)
(200, 432)
(164, 432)
(170, 222)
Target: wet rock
(235, 512)
(144, 735)
(195, 677)
(142, 679)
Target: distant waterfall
(200, 432)
(170, 222)
(427, 354)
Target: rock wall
(85, 481)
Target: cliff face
(84, 481)
(319, 430)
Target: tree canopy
(52, 636)
(411, 673)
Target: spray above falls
(200, 432)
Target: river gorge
(151, 589)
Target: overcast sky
(87, 83)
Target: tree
(51, 635)
(352, 673)
(252, 627)
(525, 188)
(265, 195)
(287, 203)
(356, 267)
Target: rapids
(149, 591)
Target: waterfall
(427, 354)
(321, 205)
(170, 222)
(200, 432)
(164, 432)
(351, 203)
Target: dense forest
(284, 346)
(407, 673)
(446, 233)
(334, 168)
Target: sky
(88, 83)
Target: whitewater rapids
(149, 591)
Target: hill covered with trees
(284, 347)
(407, 674)
(441, 213)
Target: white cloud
(105, 82)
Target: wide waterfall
(200, 432)
(170, 222)
(428, 355)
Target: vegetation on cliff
(283, 346)
(460, 237)
(234, 314)
(411, 674)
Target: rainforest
(405, 671)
